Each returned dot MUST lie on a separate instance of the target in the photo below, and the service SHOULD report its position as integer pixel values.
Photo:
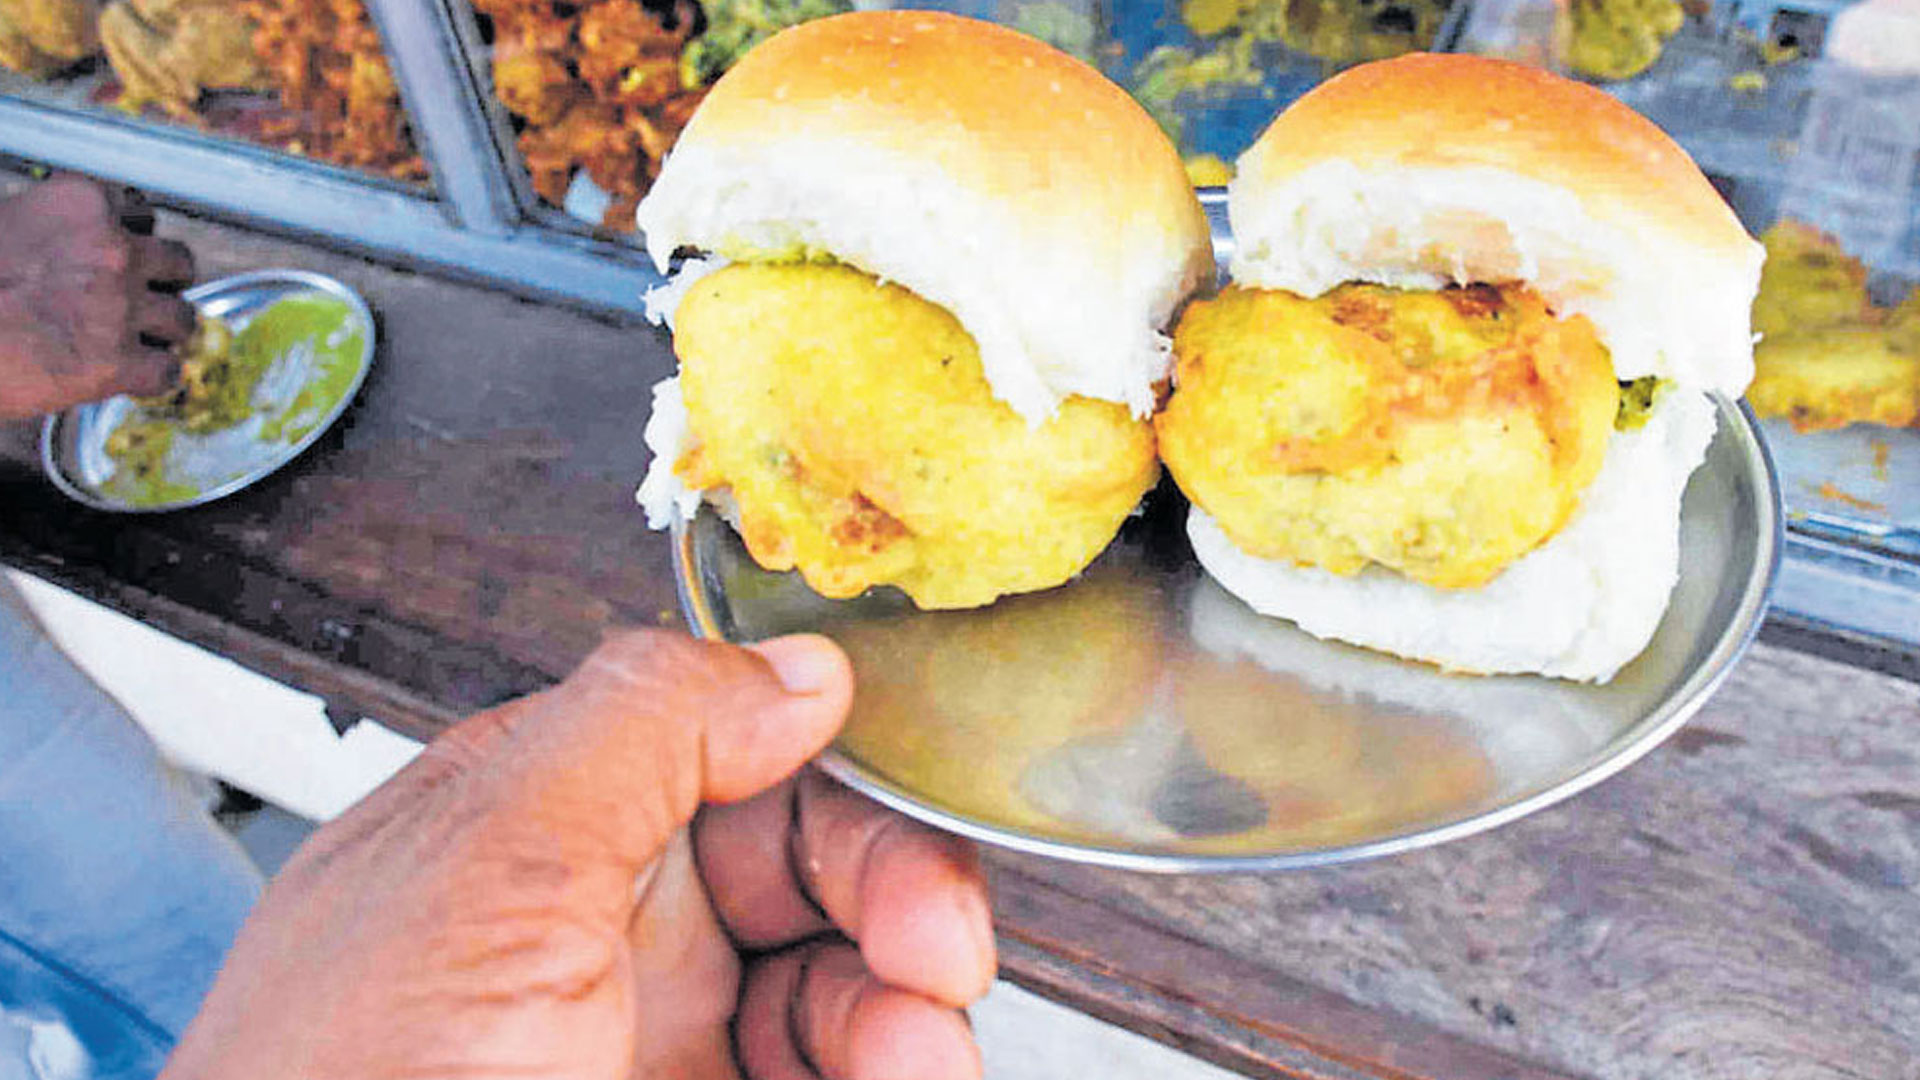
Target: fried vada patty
(1838, 376)
(1807, 282)
(1442, 434)
(860, 442)
(1828, 355)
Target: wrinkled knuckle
(534, 953)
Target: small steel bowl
(1141, 717)
(73, 444)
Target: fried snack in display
(595, 88)
(1829, 356)
(167, 52)
(735, 26)
(40, 37)
(325, 59)
(1617, 39)
(1338, 31)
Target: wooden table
(1743, 903)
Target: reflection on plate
(318, 338)
(1142, 717)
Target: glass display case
(303, 78)
(508, 141)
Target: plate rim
(1634, 743)
(50, 427)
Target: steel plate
(1141, 717)
(73, 444)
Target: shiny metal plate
(1141, 717)
(73, 444)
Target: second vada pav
(926, 338)
(1449, 406)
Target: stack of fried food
(596, 86)
(1617, 39)
(325, 59)
(167, 52)
(1338, 31)
(40, 37)
(1829, 356)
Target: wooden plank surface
(1745, 902)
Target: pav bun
(986, 171)
(1428, 170)
(1431, 171)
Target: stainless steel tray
(73, 444)
(1140, 717)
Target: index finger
(811, 855)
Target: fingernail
(805, 664)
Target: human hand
(524, 899)
(86, 303)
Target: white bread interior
(989, 173)
(1577, 607)
(1432, 170)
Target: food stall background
(508, 140)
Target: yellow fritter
(1617, 39)
(856, 431)
(1903, 326)
(1808, 281)
(1828, 355)
(1439, 434)
(1838, 376)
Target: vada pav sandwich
(926, 342)
(1449, 406)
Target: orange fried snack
(595, 88)
(325, 58)
(1828, 355)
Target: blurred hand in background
(89, 303)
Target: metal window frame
(477, 224)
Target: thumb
(652, 724)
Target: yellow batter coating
(1807, 282)
(1903, 326)
(1829, 356)
(858, 436)
(1617, 39)
(1439, 434)
(1839, 376)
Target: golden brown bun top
(927, 82)
(988, 172)
(1453, 110)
